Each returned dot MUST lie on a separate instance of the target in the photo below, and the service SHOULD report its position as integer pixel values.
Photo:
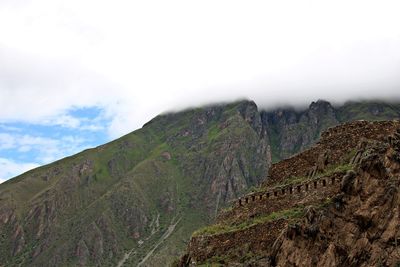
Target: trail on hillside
(155, 224)
(167, 233)
(126, 256)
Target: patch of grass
(289, 214)
(341, 168)
(227, 209)
(211, 265)
(216, 261)
(325, 203)
(254, 189)
(293, 180)
(367, 110)
(274, 140)
(213, 132)
(327, 172)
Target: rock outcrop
(348, 214)
(141, 196)
(294, 130)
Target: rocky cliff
(340, 209)
(136, 200)
(292, 130)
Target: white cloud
(7, 141)
(9, 168)
(64, 120)
(136, 59)
(43, 150)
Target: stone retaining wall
(255, 238)
(283, 197)
(334, 145)
(336, 142)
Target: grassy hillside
(142, 194)
(137, 200)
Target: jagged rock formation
(347, 215)
(292, 130)
(114, 204)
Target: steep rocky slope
(292, 130)
(137, 199)
(123, 197)
(336, 204)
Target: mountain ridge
(92, 208)
(335, 204)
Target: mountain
(153, 186)
(136, 200)
(335, 204)
(292, 131)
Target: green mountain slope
(137, 199)
(125, 196)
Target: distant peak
(320, 104)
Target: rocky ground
(356, 224)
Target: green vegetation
(216, 261)
(290, 131)
(212, 264)
(290, 214)
(275, 144)
(125, 195)
(325, 203)
(213, 132)
(254, 189)
(368, 110)
(327, 172)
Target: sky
(76, 74)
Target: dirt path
(167, 233)
(126, 256)
(155, 225)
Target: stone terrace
(339, 142)
(257, 237)
(335, 146)
(308, 192)
(336, 142)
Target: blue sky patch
(26, 145)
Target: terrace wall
(336, 142)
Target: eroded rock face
(238, 158)
(364, 230)
(357, 223)
(293, 131)
(89, 209)
(297, 130)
